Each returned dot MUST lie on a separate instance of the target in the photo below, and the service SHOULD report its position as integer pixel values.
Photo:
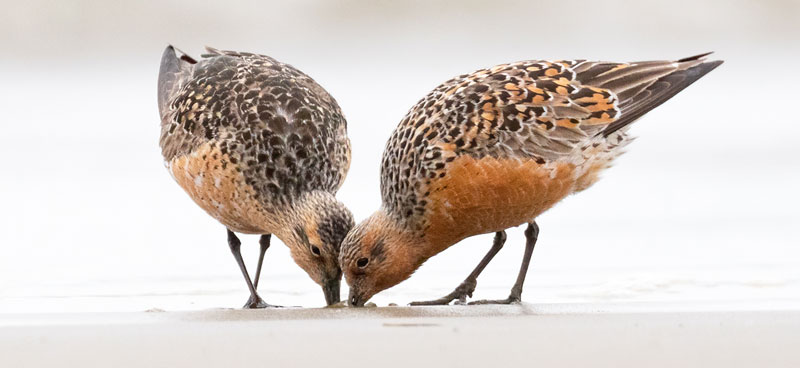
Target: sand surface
(530, 335)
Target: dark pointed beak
(331, 290)
(355, 299)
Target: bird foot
(460, 295)
(255, 302)
(513, 299)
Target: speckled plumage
(260, 146)
(567, 112)
(495, 148)
(283, 131)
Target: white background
(702, 208)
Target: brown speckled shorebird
(263, 149)
(493, 149)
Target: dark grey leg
(468, 286)
(264, 243)
(254, 301)
(531, 234)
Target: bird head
(315, 237)
(376, 255)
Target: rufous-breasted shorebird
(263, 149)
(493, 149)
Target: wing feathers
(589, 70)
(174, 70)
(658, 92)
(641, 86)
(628, 72)
(636, 78)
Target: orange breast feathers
(212, 181)
(478, 196)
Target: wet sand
(529, 335)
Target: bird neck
(408, 248)
(303, 214)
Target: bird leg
(468, 285)
(255, 301)
(531, 234)
(264, 243)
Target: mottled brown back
(282, 131)
(550, 112)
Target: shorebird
(493, 149)
(263, 149)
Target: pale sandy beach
(528, 335)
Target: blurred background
(702, 208)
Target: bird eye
(315, 250)
(362, 262)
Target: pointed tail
(174, 70)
